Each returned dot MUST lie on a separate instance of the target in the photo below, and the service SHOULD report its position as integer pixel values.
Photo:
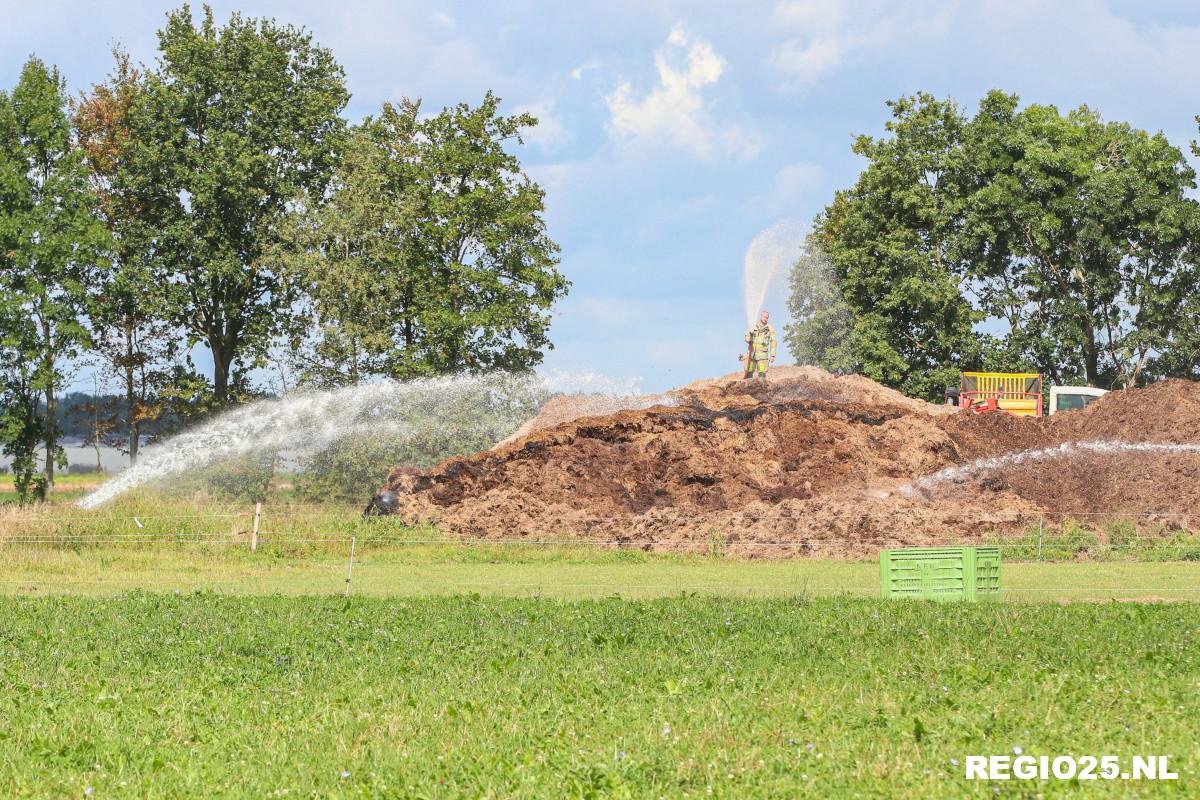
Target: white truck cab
(1069, 398)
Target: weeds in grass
(718, 543)
(1118, 540)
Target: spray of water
(1066, 450)
(475, 409)
(768, 256)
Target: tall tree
(53, 241)
(235, 123)
(1083, 237)
(430, 254)
(482, 246)
(345, 258)
(891, 243)
(1017, 239)
(130, 329)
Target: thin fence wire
(337, 581)
(857, 544)
(315, 513)
(1126, 549)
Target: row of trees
(1013, 239)
(219, 198)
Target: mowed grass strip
(559, 571)
(204, 695)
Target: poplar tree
(52, 246)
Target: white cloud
(550, 133)
(823, 36)
(791, 189)
(577, 72)
(807, 14)
(674, 113)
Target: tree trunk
(51, 438)
(1091, 353)
(96, 422)
(221, 361)
(132, 407)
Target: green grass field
(145, 651)
(197, 695)
(520, 571)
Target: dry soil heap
(808, 463)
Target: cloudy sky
(673, 133)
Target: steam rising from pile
(471, 409)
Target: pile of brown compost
(812, 463)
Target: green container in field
(941, 573)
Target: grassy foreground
(201, 694)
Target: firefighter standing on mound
(760, 348)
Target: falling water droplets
(768, 256)
(963, 472)
(464, 407)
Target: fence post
(254, 532)
(1041, 533)
(350, 571)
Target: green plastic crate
(941, 573)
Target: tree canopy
(219, 198)
(233, 124)
(429, 255)
(52, 246)
(131, 331)
(1014, 239)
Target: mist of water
(1067, 450)
(767, 258)
(466, 408)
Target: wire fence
(1044, 536)
(282, 521)
(882, 542)
(381, 565)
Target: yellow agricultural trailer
(1017, 393)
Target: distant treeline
(84, 417)
(219, 198)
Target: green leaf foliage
(1017, 239)
(430, 254)
(822, 321)
(234, 123)
(50, 249)
(132, 333)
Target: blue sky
(674, 132)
